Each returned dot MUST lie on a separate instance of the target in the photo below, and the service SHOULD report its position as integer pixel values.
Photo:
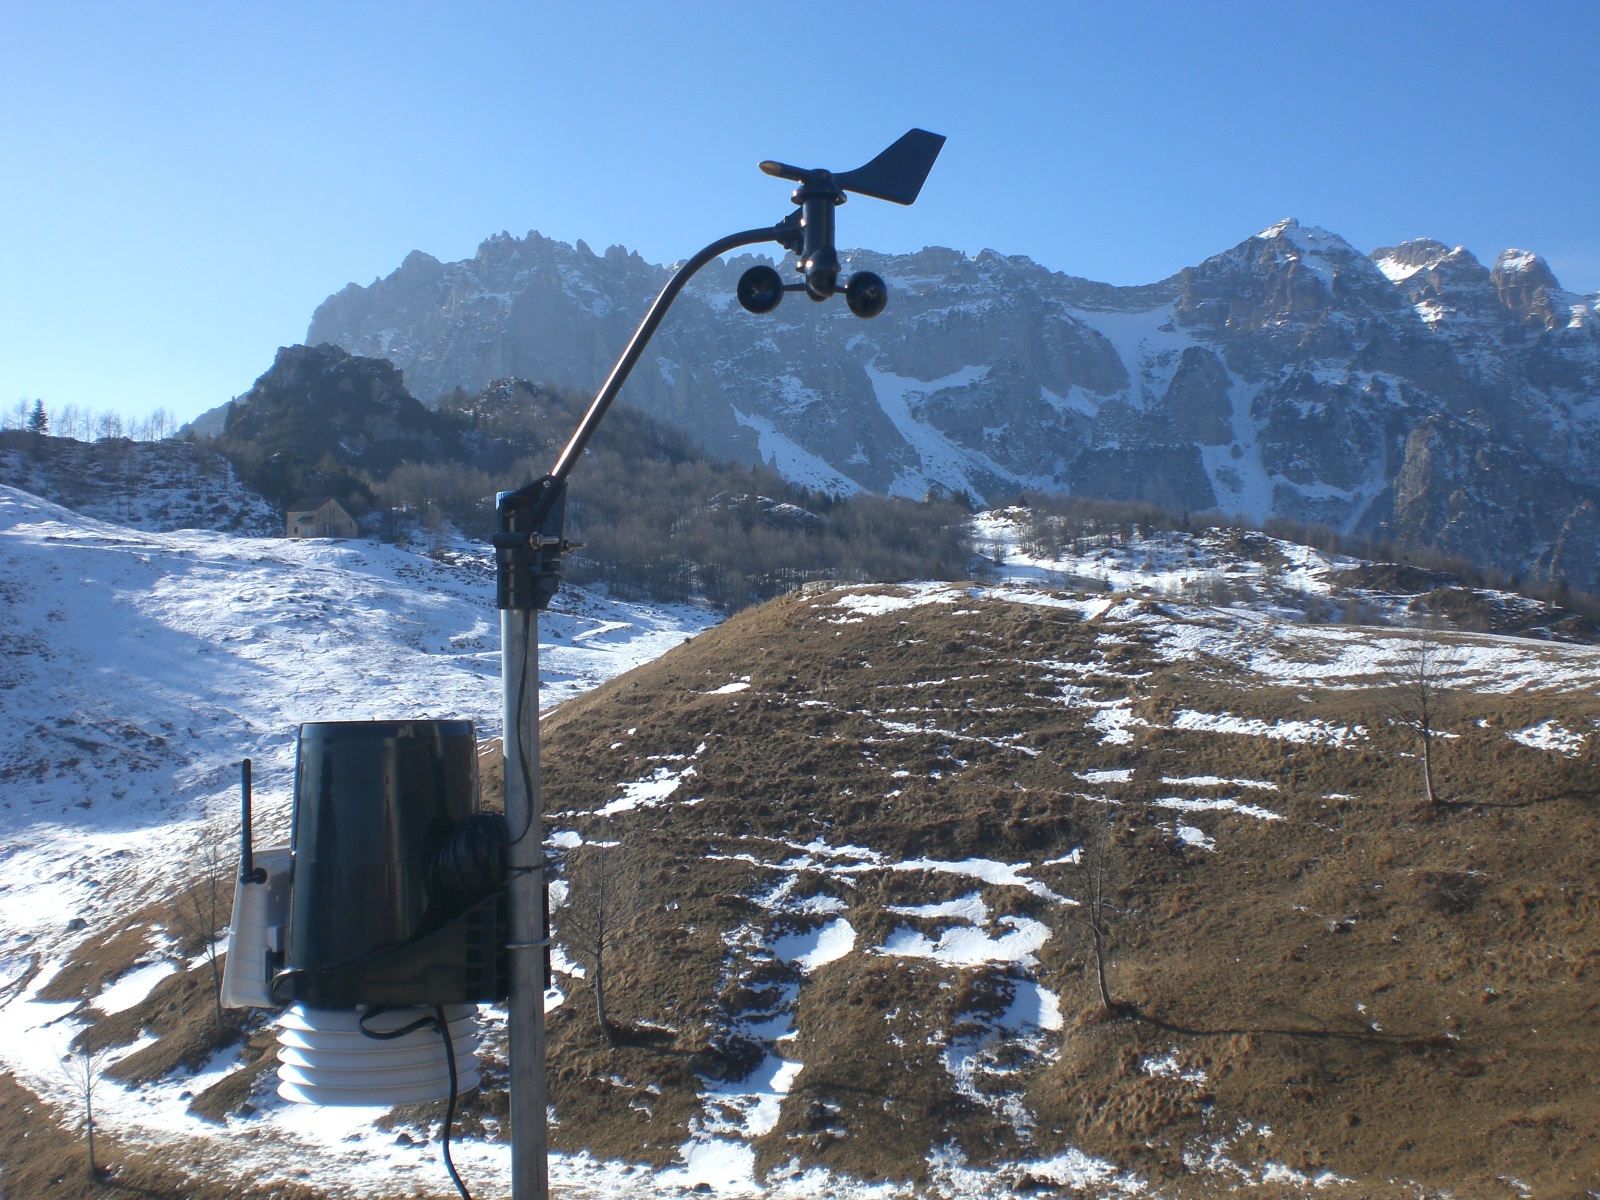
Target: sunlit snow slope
(139, 668)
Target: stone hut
(319, 517)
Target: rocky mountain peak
(1400, 262)
(1282, 377)
(1521, 278)
(1284, 279)
(1441, 284)
(1528, 288)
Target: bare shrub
(82, 1067)
(1417, 696)
(202, 904)
(605, 896)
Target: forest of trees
(656, 516)
(85, 424)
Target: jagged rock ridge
(1411, 393)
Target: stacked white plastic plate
(324, 1058)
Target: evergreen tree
(38, 420)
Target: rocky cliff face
(1409, 393)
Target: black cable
(438, 1021)
(522, 750)
(527, 788)
(385, 1035)
(471, 864)
(450, 1105)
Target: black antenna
(248, 871)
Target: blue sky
(183, 184)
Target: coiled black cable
(472, 862)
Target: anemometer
(398, 905)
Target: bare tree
(1097, 910)
(604, 898)
(82, 1067)
(203, 903)
(1417, 696)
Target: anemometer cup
(760, 289)
(896, 175)
(866, 294)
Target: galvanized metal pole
(519, 677)
(528, 545)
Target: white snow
(987, 869)
(793, 461)
(1218, 781)
(1516, 261)
(1190, 836)
(1552, 736)
(965, 946)
(880, 601)
(132, 986)
(1180, 804)
(817, 947)
(1395, 270)
(651, 792)
(969, 908)
(1117, 775)
(1315, 731)
(1116, 723)
(939, 460)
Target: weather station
(398, 905)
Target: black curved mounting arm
(782, 232)
(528, 538)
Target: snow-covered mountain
(1411, 393)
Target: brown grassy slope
(1358, 988)
(1398, 999)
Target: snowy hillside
(158, 486)
(1224, 566)
(877, 957)
(138, 668)
(871, 805)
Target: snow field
(1261, 648)
(139, 668)
(953, 935)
